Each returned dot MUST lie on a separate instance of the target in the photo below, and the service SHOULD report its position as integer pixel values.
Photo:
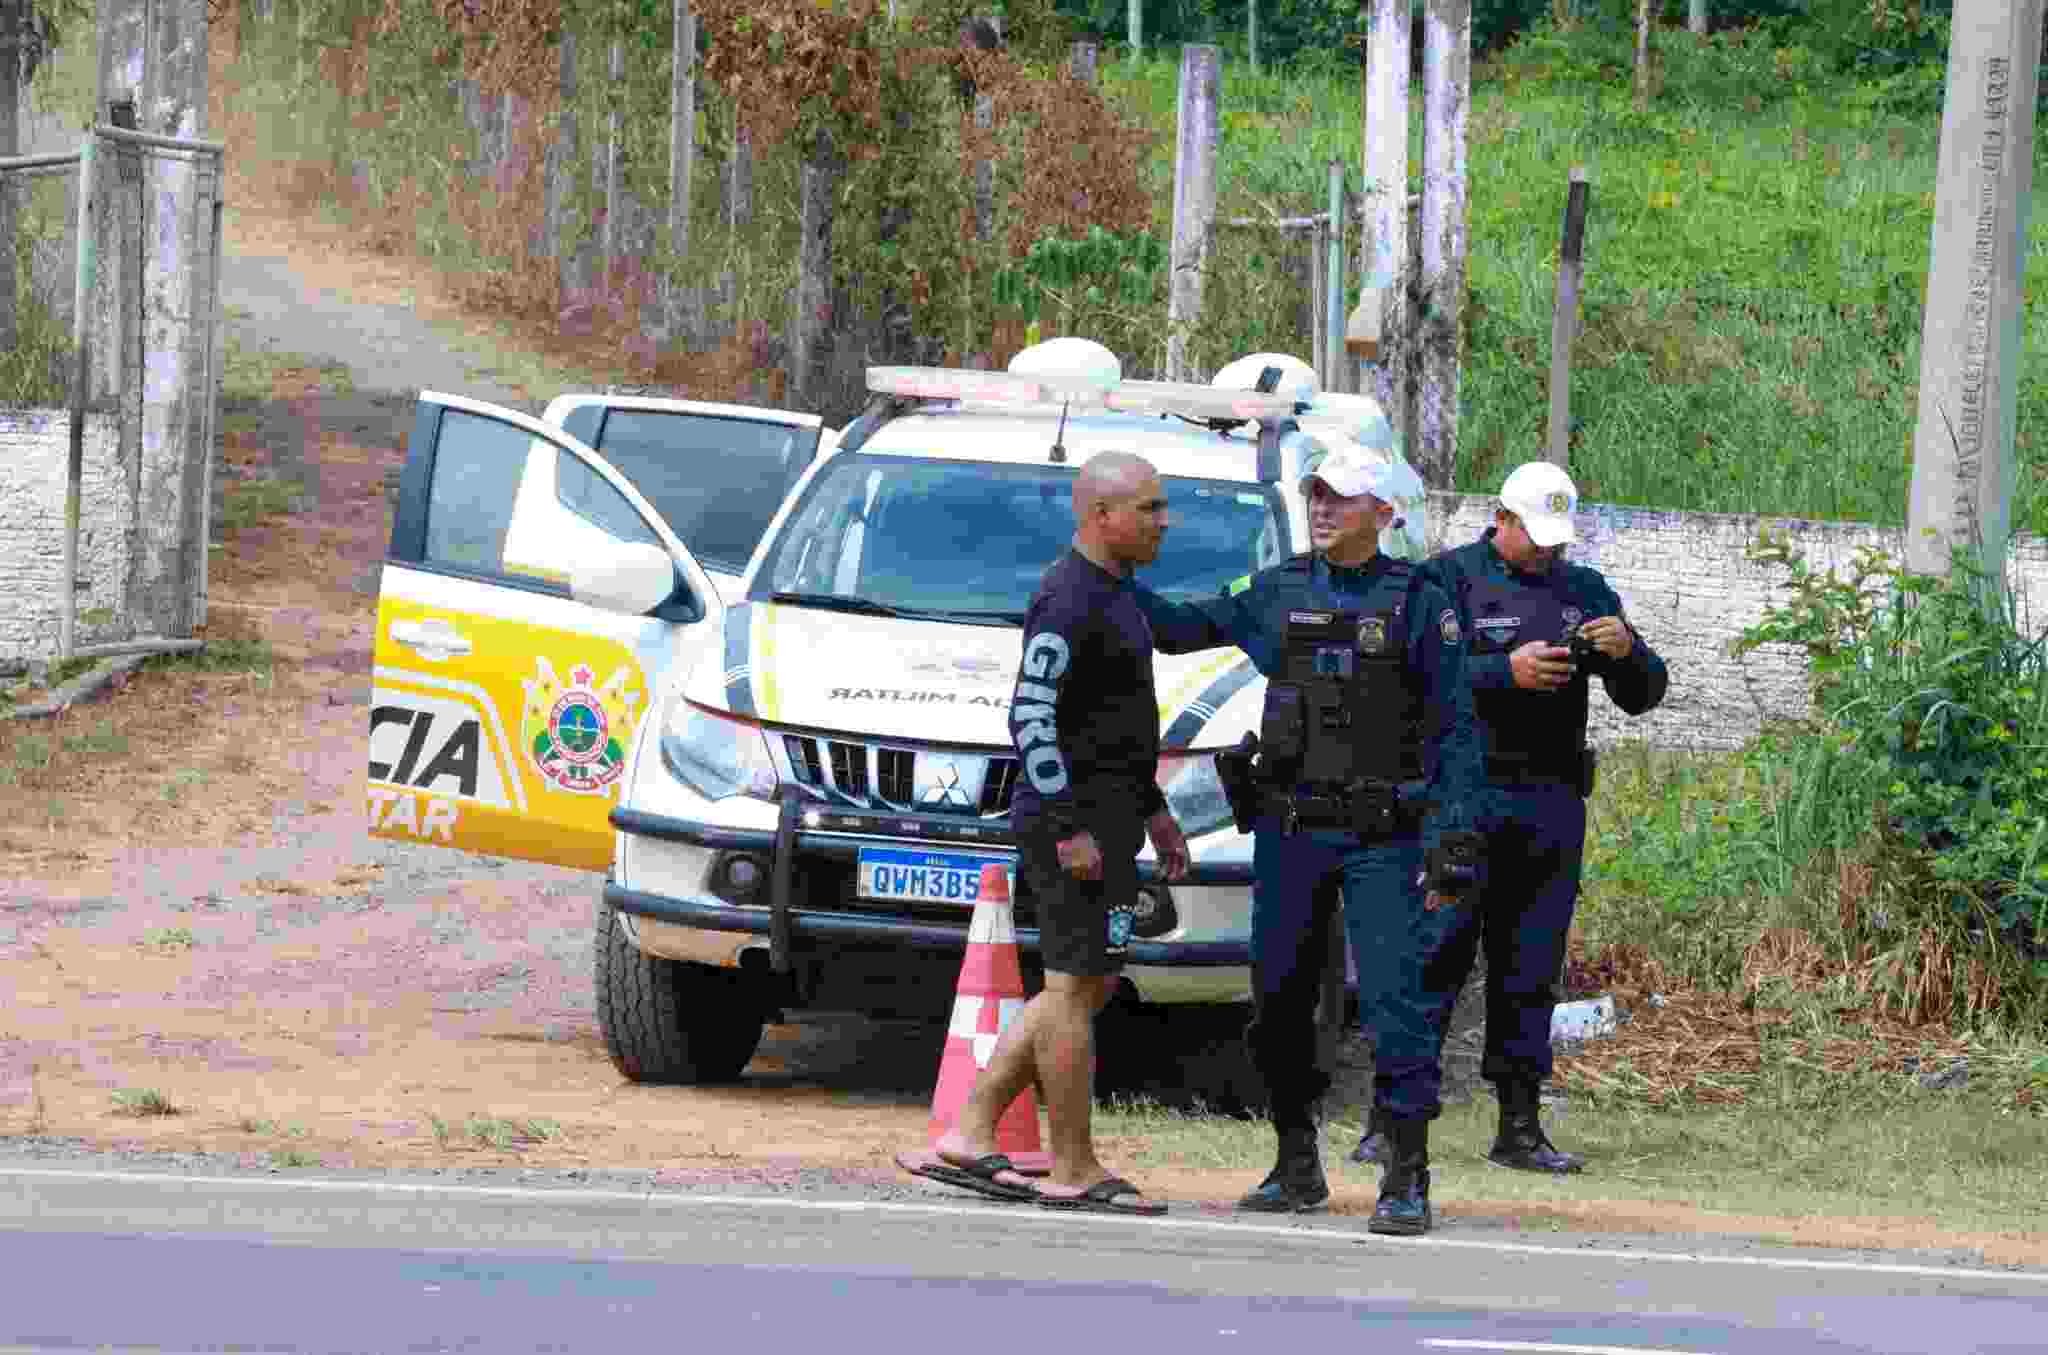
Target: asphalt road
(151, 1261)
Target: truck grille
(871, 776)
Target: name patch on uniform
(1497, 623)
(1311, 618)
(1447, 624)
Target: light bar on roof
(1191, 401)
(960, 383)
(1184, 398)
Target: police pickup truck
(759, 674)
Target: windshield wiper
(978, 618)
(836, 602)
(868, 607)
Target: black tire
(668, 1021)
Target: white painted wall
(1689, 590)
(34, 447)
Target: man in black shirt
(1085, 721)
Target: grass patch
(143, 1103)
(293, 1157)
(222, 654)
(486, 1131)
(1856, 1147)
(257, 373)
(169, 938)
(245, 503)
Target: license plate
(911, 875)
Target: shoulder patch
(1447, 625)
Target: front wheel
(669, 1021)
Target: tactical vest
(1345, 707)
(1526, 732)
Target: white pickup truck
(759, 674)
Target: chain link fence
(108, 422)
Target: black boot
(1521, 1142)
(1296, 1184)
(1403, 1208)
(1373, 1146)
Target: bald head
(1108, 477)
(1119, 510)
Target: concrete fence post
(1447, 84)
(1564, 319)
(1194, 199)
(1387, 272)
(1972, 340)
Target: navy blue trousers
(1535, 847)
(1299, 878)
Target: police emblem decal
(1372, 635)
(1559, 502)
(1447, 625)
(1121, 920)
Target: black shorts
(1084, 926)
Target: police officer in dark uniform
(1364, 768)
(1540, 629)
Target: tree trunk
(1642, 55)
(810, 344)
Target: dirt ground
(203, 952)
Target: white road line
(1025, 1217)
(1550, 1348)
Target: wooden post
(1642, 55)
(1971, 335)
(739, 179)
(984, 172)
(1446, 89)
(1386, 150)
(682, 129)
(1331, 376)
(1081, 61)
(83, 284)
(13, 22)
(682, 163)
(1564, 321)
(1137, 13)
(613, 154)
(1696, 17)
(1194, 199)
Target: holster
(1240, 782)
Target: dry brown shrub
(1785, 954)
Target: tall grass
(1756, 254)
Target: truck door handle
(433, 638)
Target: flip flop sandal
(978, 1176)
(1101, 1198)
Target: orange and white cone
(987, 998)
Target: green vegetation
(488, 1131)
(1814, 1148)
(143, 1103)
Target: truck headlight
(716, 755)
(1193, 794)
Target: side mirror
(629, 577)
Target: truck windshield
(974, 537)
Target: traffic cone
(987, 998)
